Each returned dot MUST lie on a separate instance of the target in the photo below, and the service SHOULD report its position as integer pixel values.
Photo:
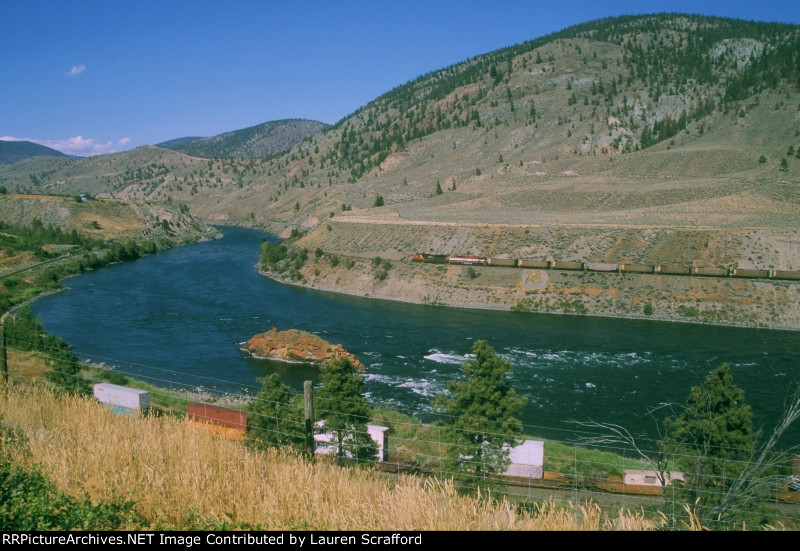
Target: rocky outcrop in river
(298, 347)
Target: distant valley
(655, 139)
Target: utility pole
(3, 357)
(308, 410)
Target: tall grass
(184, 478)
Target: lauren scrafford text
(290, 539)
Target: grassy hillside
(648, 119)
(44, 238)
(158, 472)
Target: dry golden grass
(182, 478)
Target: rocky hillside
(656, 138)
(105, 219)
(263, 140)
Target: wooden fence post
(3, 357)
(308, 409)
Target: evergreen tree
(24, 331)
(276, 417)
(438, 188)
(712, 437)
(345, 411)
(482, 414)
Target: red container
(217, 415)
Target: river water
(178, 319)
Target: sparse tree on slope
(276, 418)
(483, 412)
(344, 409)
(712, 438)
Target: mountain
(656, 120)
(262, 140)
(12, 152)
(659, 139)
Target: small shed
(122, 399)
(527, 460)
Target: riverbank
(371, 257)
(711, 301)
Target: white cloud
(75, 71)
(77, 145)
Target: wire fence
(636, 475)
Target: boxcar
(786, 274)
(601, 267)
(533, 263)
(566, 265)
(742, 272)
(502, 262)
(710, 272)
(467, 259)
(637, 268)
(674, 270)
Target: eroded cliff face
(297, 346)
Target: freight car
(533, 263)
(510, 262)
(741, 272)
(673, 270)
(637, 268)
(786, 274)
(566, 265)
(467, 259)
(606, 267)
(601, 267)
(227, 422)
(711, 272)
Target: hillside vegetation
(13, 152)
(44, 238)
(160, 473)
(657, 138)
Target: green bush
(28, 501)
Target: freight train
(470, 260)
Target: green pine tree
(482, 413)
(344, 409)
(711, 438)
(276, 416)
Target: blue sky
(90, 77)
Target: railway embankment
(374, 261)
(723, 301)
